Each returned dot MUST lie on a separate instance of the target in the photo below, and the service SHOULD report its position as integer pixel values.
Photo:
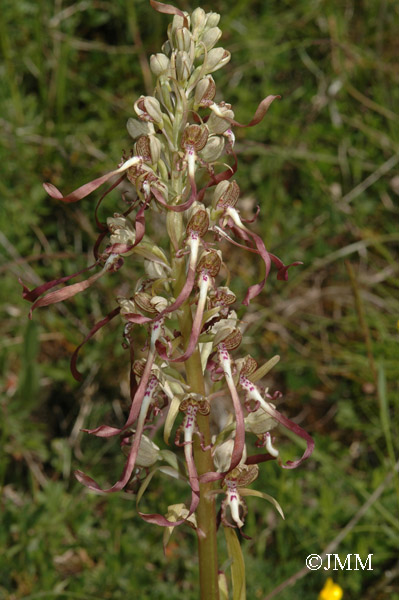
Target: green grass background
(323, 165)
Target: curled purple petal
(77, 375)
(32, 295)
(259, 113)
(88, 188)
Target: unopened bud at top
(159, 64)
(198, 20)
(184, 65)
(212, 19)
(183, 39)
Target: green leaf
(264, 369)
(170, 419)
(238, 565)
(248, 492)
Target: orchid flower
(181, 166)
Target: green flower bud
(213, 149)
(149, 109)
(159, 64)
(212, 19)
(183, 66)
(216, 59)
(137, 128)
(198, 20)
(183, 39)
(166, 48)
(211, 37)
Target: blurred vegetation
(323, 165)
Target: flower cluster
(182, 165)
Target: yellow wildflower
(331, 591)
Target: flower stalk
(180, 135)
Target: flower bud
(212, 19)
(216, 59)
(198, 20)
(216, 123)
(198, 223)
(211, 37)
(213, 149)
(166, 48)
(226, 194)
(183, 66)
(159, 63)
(137, 128)
(149, 109)
(179, 22)
(183, 39)
(149, 148)
(194, 136)
(205, 91)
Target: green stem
(206, 512)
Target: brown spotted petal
(195, 136)
(210, 262)
(198, 223)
